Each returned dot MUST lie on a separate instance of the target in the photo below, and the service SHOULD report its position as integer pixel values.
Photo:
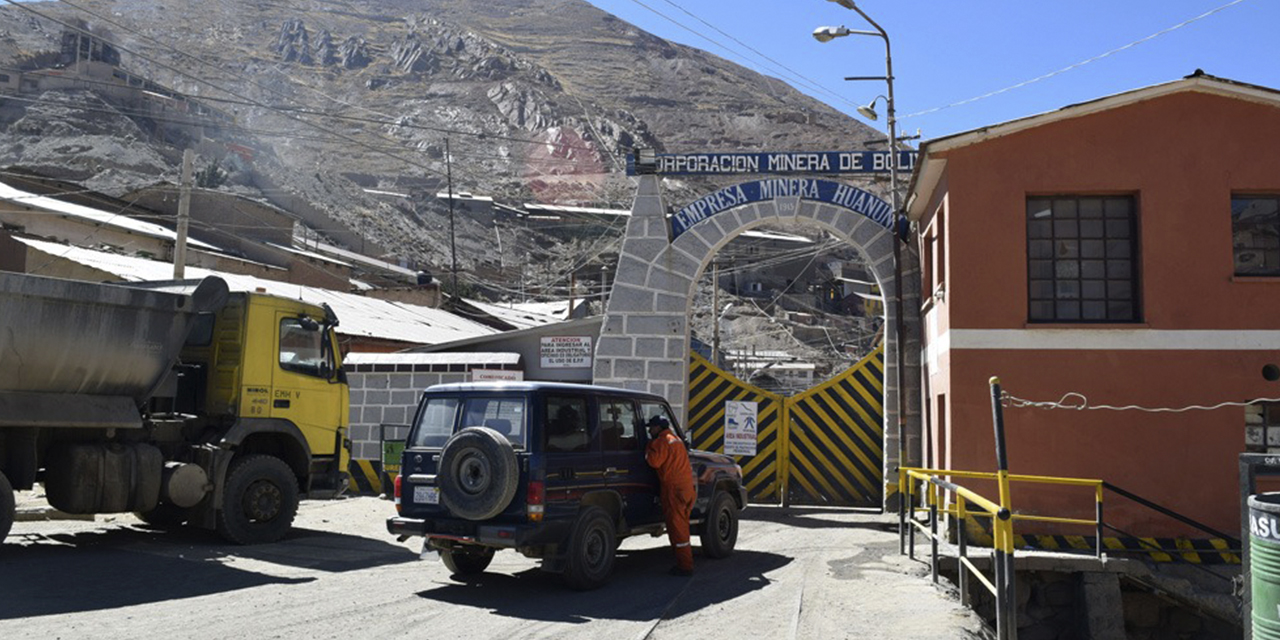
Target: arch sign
(841, 195)
(644, 338)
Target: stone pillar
(644, 337)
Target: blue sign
(842, 195)
(801, 162)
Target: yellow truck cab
(275, 380)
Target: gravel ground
(797, 573)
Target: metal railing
(1001, 584)
(961, 500)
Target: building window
(1082, 259)
(1255, 235)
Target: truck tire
(259, 500)
(592, 549)
(164, 516)
(467, 562)
(720, 532)
(478, 473)
(8, 508)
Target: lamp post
(826, 34)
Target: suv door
(622, 444)
(571, 453)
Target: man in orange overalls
(667, 455)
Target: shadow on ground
(119, 567)
(639, 589)
(821, 518)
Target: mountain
(334, 104)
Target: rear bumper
(488, 534)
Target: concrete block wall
(389, 393)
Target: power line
(1076, 65)
(731, 52)
(282, 110)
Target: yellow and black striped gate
(821, 447)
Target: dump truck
(181, 402)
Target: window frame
(1275, 229)
(1083, 282)
(323, 367)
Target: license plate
(426, 495)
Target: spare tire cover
(478, 473)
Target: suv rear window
(503, 414)
(435, 423)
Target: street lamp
(826, 34)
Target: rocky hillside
(536, 100)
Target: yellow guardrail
(955, 510)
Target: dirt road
(797, 574)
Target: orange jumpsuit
(667, 455)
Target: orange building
(1125, 249)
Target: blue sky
(948, 51)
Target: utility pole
(184, 216)
(715, 312)
(573, 284)
(453, 247)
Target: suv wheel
(466, 562)
(592, 546)
(720, 533)
(478, 473)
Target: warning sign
(740, 428)
(566, 352)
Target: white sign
(499, 375)
(740, 428)
(566, 352)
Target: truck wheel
(592, 550)
(478, 473)
(720, 533)
(8, 510)
(259, 500)
(164, 516)
(466, 562)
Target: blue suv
(554, 471)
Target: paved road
(797, 574)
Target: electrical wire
(275, 108)
(1076, 65)
(1078, 402)
(803, 80)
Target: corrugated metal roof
(358, 315)
(521, 316)
(558, 310)
(440, 357)
(117, 220)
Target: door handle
(281, 404)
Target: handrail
(1001, 584)
(1172, 514)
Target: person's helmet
(659, 422)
